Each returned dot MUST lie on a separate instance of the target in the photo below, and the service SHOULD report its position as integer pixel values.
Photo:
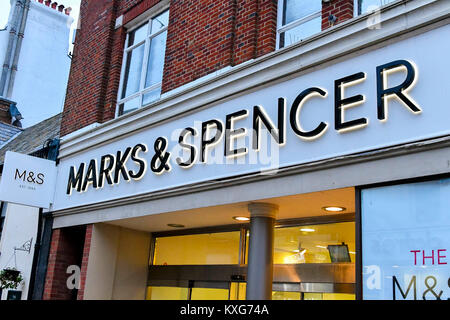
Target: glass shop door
(198, 290)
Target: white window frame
(293, 24)
(142, 89)
(356, 7)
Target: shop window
(286, 295)
(235, 291)
(364, 6)
(324, 243)
(143, 64)
(298, 20)
(198, 249)
(328, 296)
(406, 241)
(167, 293)
(319, 243)
(238, 290)
(209, 294)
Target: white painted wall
(118, 264)
(43, 68)
(131, 265)
(20, 226)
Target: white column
(260, 257)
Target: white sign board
(27, 180)
(389, 96)
(406, 241)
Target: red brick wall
(267, 27)
(254, 30)
(65, 250)
(55, 282)
(89, 76)
(341, 9)
(84, 261)
(115, 68)
(203, 36)
(95, 71)
(133, 9)
(199, 40)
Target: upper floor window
(297, 20)
(143, 64)
(300, 19)
(364, 6)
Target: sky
(74, 4)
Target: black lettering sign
(192, 150)
(399, 91)
(107, 163)
(75, 178)
(213, 140)
(113, 167)
(412, 283)
(295, 110)
(120, 167)
(261, 117)
(139, 161)
(20, 175)
(231, 133)
(340, 103)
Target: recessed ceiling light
(175, 225)
(241, 218)
(307, 230)
(333, 209)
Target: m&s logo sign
(32, 177)
(28, 180)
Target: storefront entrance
(230, 290)
(314, 259)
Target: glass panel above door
(197, 249)
(324, 243)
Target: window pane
(167, 293)
(338, 296)
(138, 35)
(210, 248)
(284, 295)
(312, 296)
(160, 22)
(209, 294)
(156, 60)
(238, 290)
(130, 105)
(151, 96)
(297, 9)
(315, 244)
(133, 71)
(405, 237)
(301, 32)
(369, 5)
(328, 296)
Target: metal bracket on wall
(25, 247)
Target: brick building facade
(203, 37)
(216, 55)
